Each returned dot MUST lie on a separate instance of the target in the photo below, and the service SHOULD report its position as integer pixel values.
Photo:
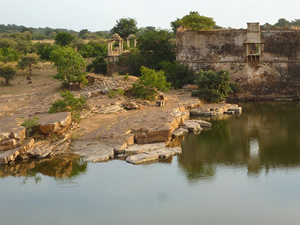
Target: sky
(96, 15)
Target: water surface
(245, 170)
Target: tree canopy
(212, 86)
(70, 65)
(125, 27)
(63, 38)
(7, 71)
(194, 21)
(29, 61)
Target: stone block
(54, 123)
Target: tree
(178, 74)
(63, 38)
(83, 32)
(212, 86)
(7, 71)
(44, 50)
(282, 23)
(194, 21)
(125, 27)
(8, 55)
(98, 66)
(155, 46)
(148, 85)
(29, 61)
(70, 65)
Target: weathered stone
(8, 156)
(180, 131)
(94, 151)
(202, 123)
(151, 156)
(75, 86)
(18, 133)
(109, 109)
(237, 110)
(131, 105)
(161, 134)
(199, 112)
(40, 150)
(105, 91)
(192, 125)
(4, 135)
(134, 149)
(54, 123)
(8, 144)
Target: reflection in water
(64, 166)
(266, 136)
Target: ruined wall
(268, 64)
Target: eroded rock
(56, 123)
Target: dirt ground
(22, 99)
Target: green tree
(98, 66)
(68, 103)
(28, 61)
(7, 71)
(63, 38)
(155, 46)
(70, 65)
(83, 32)
(194, 21)
(282, 23)
(178, 74)
(148, 85)
(44, 50)
(212, 86)
(8, 55)
(125, 27)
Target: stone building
(264, 62)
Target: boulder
(236, 109)
(180, 131)
(75, 86)
(147, 157)
(135, 149)
(131, 105)
(56, 123)
(192, 125)
(94, 151)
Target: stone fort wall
(261, 61)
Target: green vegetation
(154, 46)
(212, 86)
(125, 27)
(115, 94)
(30, 125)
(194, 21)
(8, 55)
(148, 85)
(178, 74)
(28, 61)
(70, 65)
(7, 71)
(63, 38)
(70, 104)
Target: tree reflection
(265, 136)
(65, 167)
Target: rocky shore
(136, 131)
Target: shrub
(212, 86)
(178, 74)
(117, 93)
(70, 104)
(30, 125)
(148, 85)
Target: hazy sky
(98, 15)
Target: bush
(212, 86)
(30, 125)
(117, 93)
(178, 74)
(70, 104)
(98, 66)
(148, 85)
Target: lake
(245, 170)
